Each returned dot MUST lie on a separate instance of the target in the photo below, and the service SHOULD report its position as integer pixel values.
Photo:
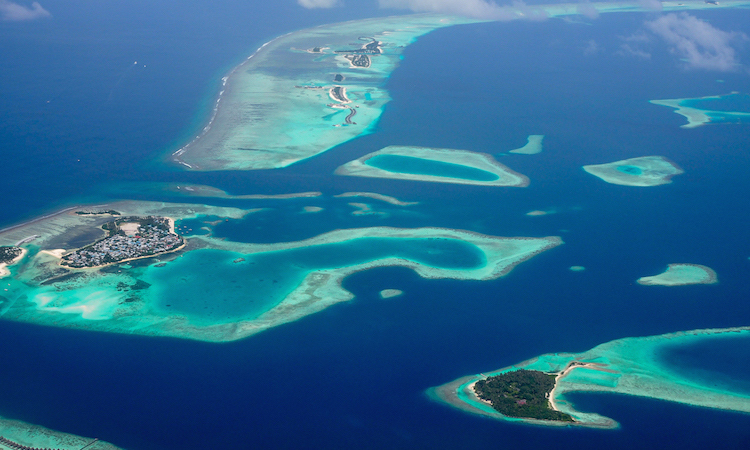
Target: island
(521, 393)
(127, 239)
(275, 108)
(10, 255)
(216, 289)
(631, 366)
(437, 165)
(681, 275)
(642, 171)
(710, 109)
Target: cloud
(653, 5)
(586, 9)
(310, 4)
(478, 9)
(13, 12)
(700, 44)
(628, 50)
(592, 48)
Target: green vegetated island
(305, 92)
(435, 165)
(631, 366)
(643, 171)
(133, 273)
(728, 108)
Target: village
(129, 238)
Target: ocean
(81, 120)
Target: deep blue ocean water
(354, 375)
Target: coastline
(623, 366)
(4, 271)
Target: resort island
(9, 254)
(127, 239)
(521, 393)
(632, 366)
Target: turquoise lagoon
(209, 286)
(421, 166)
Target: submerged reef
(710, 109)
(532, 147)
(435, 165)
(631, 366)
(19, 435)
(216, 290)
(281, 105)
(681, 275)
(641, 171)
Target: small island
(8, 254)
(127, 239)
(521, 393)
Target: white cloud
(310, 4)
(586, 9)
(13, 12)
(628, 50)
(478, 9)
(653, 5)
(697, 41)
(592, 48)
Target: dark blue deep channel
(353, 376)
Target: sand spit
(381, 197)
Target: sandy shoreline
(170, 220)
(4, 271)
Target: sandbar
(492, 172)
(532, 147)
(698, 116)
(390, 293)
(641, 171)
(681, 275)
(629, 366)
(197, 190)
(363, 209)
(381, 197)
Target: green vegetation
(111, 212)
(521, 393)
(8, 254)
